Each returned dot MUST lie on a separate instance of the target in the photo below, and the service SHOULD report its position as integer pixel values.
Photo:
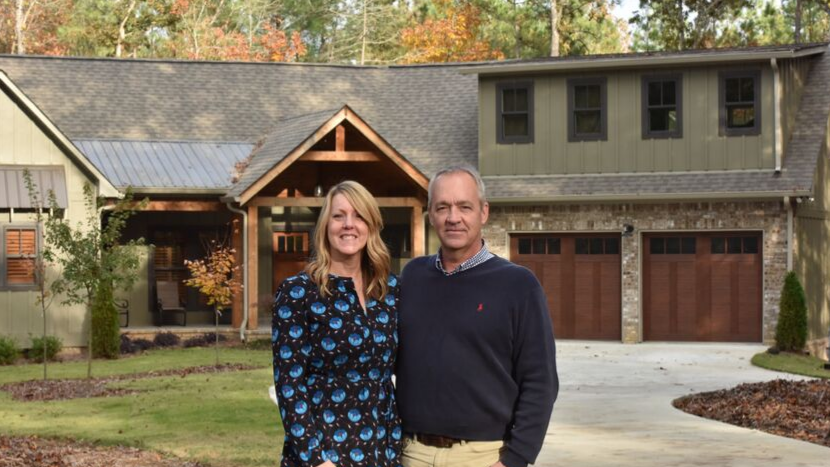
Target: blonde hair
(375, 257)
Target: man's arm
(534, 362)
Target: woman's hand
(327, 464)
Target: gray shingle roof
(153, 164)
(288, 134)
(429, 114)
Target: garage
(702, 287)
(581, 277)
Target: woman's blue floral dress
(333, 364)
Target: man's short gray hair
(465, 168)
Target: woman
(334, 340)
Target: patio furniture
(169, 302)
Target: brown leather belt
(436, 441)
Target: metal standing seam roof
(15, 195)
(166, 164)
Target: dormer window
(662, 106)
(740, 103)
(587, 110)
(514, 109)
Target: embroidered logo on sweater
(480, 307)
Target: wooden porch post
(417, 233)
(253, 267)
(236, 244)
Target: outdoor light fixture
(627, 230)
(827, 351)
(318, 191)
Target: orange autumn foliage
(452, 37)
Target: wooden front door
(581, 278)
(702, 287)
(291, 250)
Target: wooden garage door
(581, 277)
(702, 287)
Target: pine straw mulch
(795, 409)
(29, 451)
(62, 389)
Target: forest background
(384, 32)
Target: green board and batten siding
(812, 257)
(23, 143)
(701, 148)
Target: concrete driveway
(614, 409)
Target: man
(476, 370)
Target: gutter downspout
(244, 215)
(789, 207)
(777, 138)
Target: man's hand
(498, 464)
(331, 464)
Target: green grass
(792, 363)
(224, 419)
(152, 361)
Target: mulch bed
(62, 389)
(795, 409)
(26, 451)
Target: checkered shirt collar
(478, 258)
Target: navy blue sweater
(476, 359)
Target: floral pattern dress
(333, 364)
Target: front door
(290, 255)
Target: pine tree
(791, 331)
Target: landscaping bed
(28, 451)
(795, 409)
(62, 389)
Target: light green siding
(625, 151)
(22, 142)
(812, 255)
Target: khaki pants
(464, 454)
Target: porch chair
(167, 294)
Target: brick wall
(768, 217)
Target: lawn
(225, 419)
(792, 363)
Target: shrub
(49, 345)
(259, 344)
(127, 345)
(166, 339)
(106, 334)
(9, 351)
(143, 344)
(791, 331)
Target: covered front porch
(283, 189)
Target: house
(656, 196)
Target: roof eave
(651, 197)
(641, 61)
(105, 187)
(173, 191)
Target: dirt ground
(795, 409)
(36, 452)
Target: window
(539, 246)
(672, 245)
(17, 262)
(734, 245)
(662, 98)
(514, 108)
(740, 103)
(587, 103)
(597, 246)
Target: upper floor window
(514, 109)
(740, 103)
(662, 106)
(17, 258)
(587, 109)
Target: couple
(475, 368)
